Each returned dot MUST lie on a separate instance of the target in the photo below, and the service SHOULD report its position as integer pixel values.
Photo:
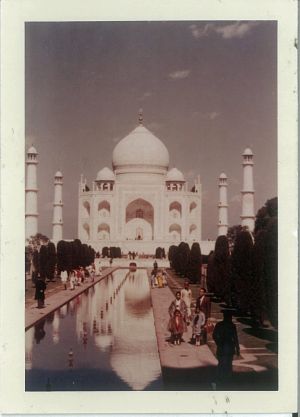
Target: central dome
(140, 149)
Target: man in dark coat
(40, 287)
(226, 338)
(204, 305)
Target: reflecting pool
(104, 339)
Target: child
(198, 321)
(176, 327)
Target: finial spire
(141, 116)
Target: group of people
(224, 333)
(78, 276)
(181, 315)
(158, 278)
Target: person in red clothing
(176, 327)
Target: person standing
(198, 320)
(203, 303)
(64, 278)
(40, 287)
(186, 296)
(178, 304)
(226, 338)
(176, 327)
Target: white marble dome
(105, 174)
(247, 152)
(175, 175)
(32, 150)
(58, 174)
(140, 148)
(223, 176)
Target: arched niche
(104, 208)
(175, 232)
(193, 231)
(193, 207)
(86, 231)
(103, 231)
(175, 210)
(86, 209)
(139, 220)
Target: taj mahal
(141, 203)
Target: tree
(265, 214)
(62, 260)
(271, 270)
(195, 263)
(174, 258)
(232, 233)
(171, 254)
(51, 260)
(265, 265)
(259, 288)
(183, 258)
(221, 269)
(105, 252)
(43, 255)
(76, 251)
(242, 269)
(210, 273)
(159, 253)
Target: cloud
(179, 75)
(227, 31)
(213, 115)
(208, 116)
(145, 95)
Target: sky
(207, 89)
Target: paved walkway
(185, 355)
(257, 368)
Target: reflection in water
(105, 337)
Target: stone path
(257, 368)
(185, 355)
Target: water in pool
(104, 339)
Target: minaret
(223, 206)
(248, 191)
(141, 117)
(57, 208)
(31, 213)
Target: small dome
(247, 152)
(175, 175)
(59, 174)
(223, 176)
(105, 174)
(140, 148)
(32, 150)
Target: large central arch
(139, 220)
